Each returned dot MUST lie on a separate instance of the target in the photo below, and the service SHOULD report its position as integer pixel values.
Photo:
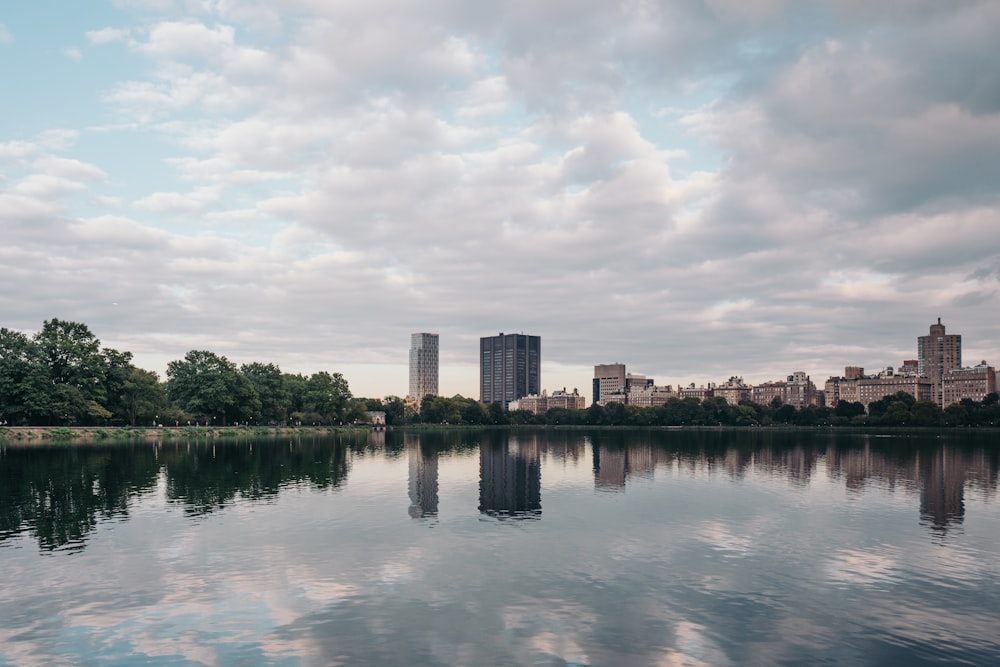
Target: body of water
(504, 548)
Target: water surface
(504, 548)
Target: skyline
(696, 189)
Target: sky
(695, 188)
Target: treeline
(899, 410)
(62, 376)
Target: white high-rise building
(423, 365)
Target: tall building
(509, 367)
(423, 365)
(608, 379)
(937, 354)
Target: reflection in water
(942, 495)
(510, 477)
(615, 462)
(423, 477)
(60, 494)
(729, 548)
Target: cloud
(107, 35)
(471, 168)
(5, 35)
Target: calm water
(496, 548)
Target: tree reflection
(59, 494)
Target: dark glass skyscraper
(509, 367)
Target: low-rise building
(651, 395)
(733, 390)
(867, 389)
(563, 399)
(691, 391)
(796, 390)
(539, 404)
(973, 383)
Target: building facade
(870, 388)
(733, 390)
(974, 383)
(423, 365)
(796, 390)
(937, 354)
(539, 405)
(509, 367)
(608, 379)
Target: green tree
(440, 410)
(72, 359)
(16, 370)
(118, 369)
(207, 385)
(497, 414)
(395, 410)
(144, 396)
(328, 396)
(848, 410)
(268, 382)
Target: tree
(72, 359)
(15, 373)
(268, 382)
(327, 395)
(849, 409)
(143, 395)
(497, 414)
(118, 369)
(440, 410)
(395, 410)
(207, 385)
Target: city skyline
(698, 189)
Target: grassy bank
(38, 434)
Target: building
(651, 395)
(973, 383)
(796, 390)
(539, 405)
(691, 391)
(613, 385)
(423, 365)
(608, 379)
(509, 367)
(937, 354)
(733, 390)
(867, 389)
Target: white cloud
(5, 35)
(484, 168)
(107, 35)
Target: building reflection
(510, 478)
(942, 494)
(423, 479)
(614, 464)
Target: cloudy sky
(696, 188)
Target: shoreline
(90, 434)
(71, 434)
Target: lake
(495, 547)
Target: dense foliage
(62, 376)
